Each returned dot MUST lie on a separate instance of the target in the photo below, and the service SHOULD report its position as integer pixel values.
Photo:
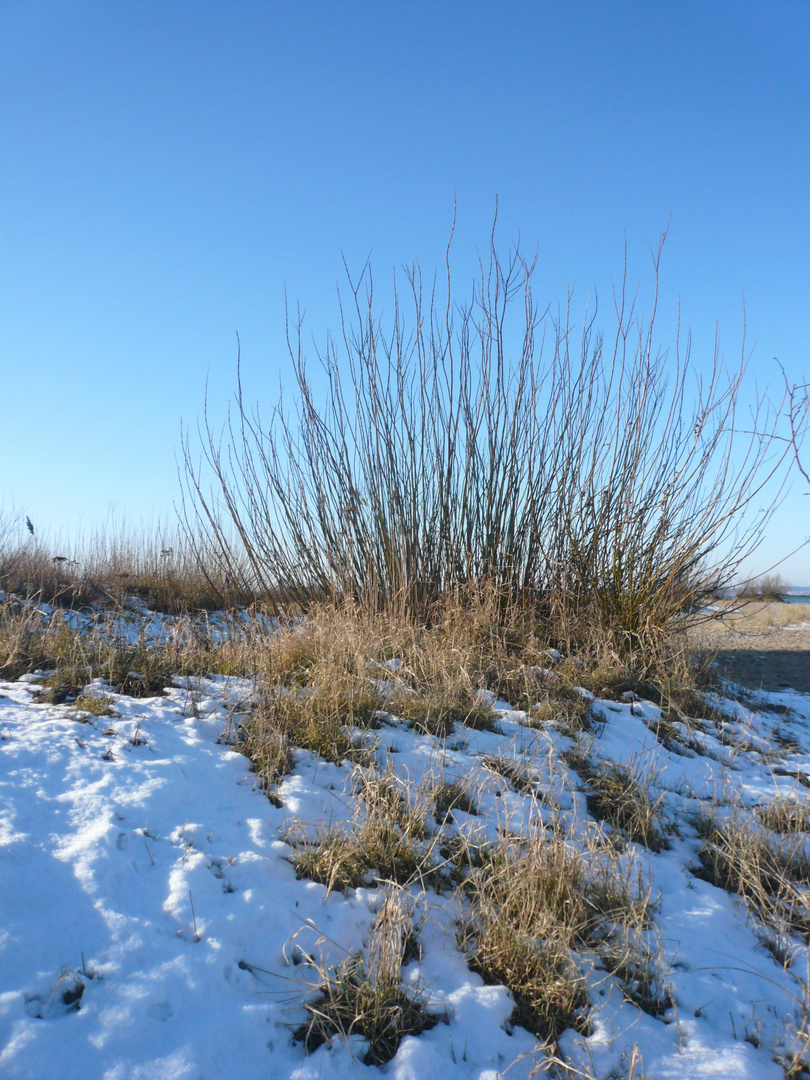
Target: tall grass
(113, 566)
(585, 471)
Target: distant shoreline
(796, 595)
(792, 594)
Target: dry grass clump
(97, 704)
(631, 1064)
(450, 795)
(270, 754)
(24, 641)
(64, 685)
(341, 668)
(772, 873)
(532, 902)
(637, 968)
(314, 692)
(317, 717)
(436, 672)
(520, 774)
(365, 996)
(786, 814)
(619, 795)
(561, 691)
(387, 840)
(795, 1056)
(439, 710)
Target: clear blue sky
(166, 169)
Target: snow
(151, 919)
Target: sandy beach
(761, 645)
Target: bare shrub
(769, 588)
(476, 441)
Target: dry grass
(630, 1067)
(786, 814)
(387, 840)
(96, 704)
(317, 717)
(531, 903)
(450, 795)
(343, 668)
(795, 1057)
(756, 615)
(521, 774)
(772, 873)
(71, 655)
(364, 995)
(164, 568)
(622, 796)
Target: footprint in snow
(161, 1010)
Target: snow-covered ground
(151, 920)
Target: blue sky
(168, 169)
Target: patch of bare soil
(760, 646)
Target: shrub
(476, 443)
(771, 587)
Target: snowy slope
(142, 871)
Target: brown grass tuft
(364, 995)
(532, 901)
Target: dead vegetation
(620, 795)
(532, 903)
(364, 995)
(771, 872)
(387, 839)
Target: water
(793, 594)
